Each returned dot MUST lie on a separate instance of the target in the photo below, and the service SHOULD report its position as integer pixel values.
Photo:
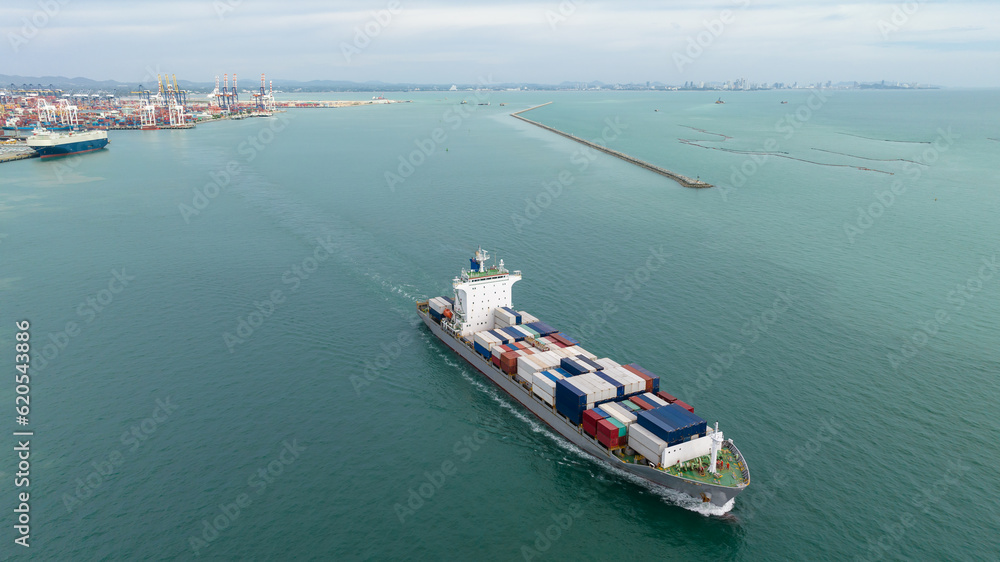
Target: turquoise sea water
(866, 407)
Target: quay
(683, 180)
(10, 156)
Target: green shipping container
(628, 404)
(622, 430)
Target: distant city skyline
(952, 44)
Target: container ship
(616, 413)
(48, 144)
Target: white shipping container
(645, 437)
(619, 412)
(651, 455)
(606, 363)
(604, 389)
(505, 316)
(538, 379)
(526, 333)
(499, 323)
(581, 351)
(551, 358)
(486, 339)
(526, 366)
(632, 382)
(593, 395)
(526, 318)
(539, 392)
(438, 304)
(502, 336)
(650, 397)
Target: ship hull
(716, 495)
(88, 142)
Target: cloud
(444, 41)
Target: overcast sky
(951, 43)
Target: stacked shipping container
(574, 381)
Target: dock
(21, 153)
(681, 179)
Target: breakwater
(681, 179)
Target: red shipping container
(685, 406)
(643, 376)
(496, 360)
(590, 419)
(558, 337)
(508, 361)
(642, 403)
(607, 433)
(670, 398)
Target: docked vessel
(616, 413)
(49, 144)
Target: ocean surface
(227, 365)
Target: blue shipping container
(517, 336)
(656, 378)
(517, 315)
(482, 350)
(542, 328)
(658, 427)
(594, 366)
(570, 401)
(619, 387)
(573, 367)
